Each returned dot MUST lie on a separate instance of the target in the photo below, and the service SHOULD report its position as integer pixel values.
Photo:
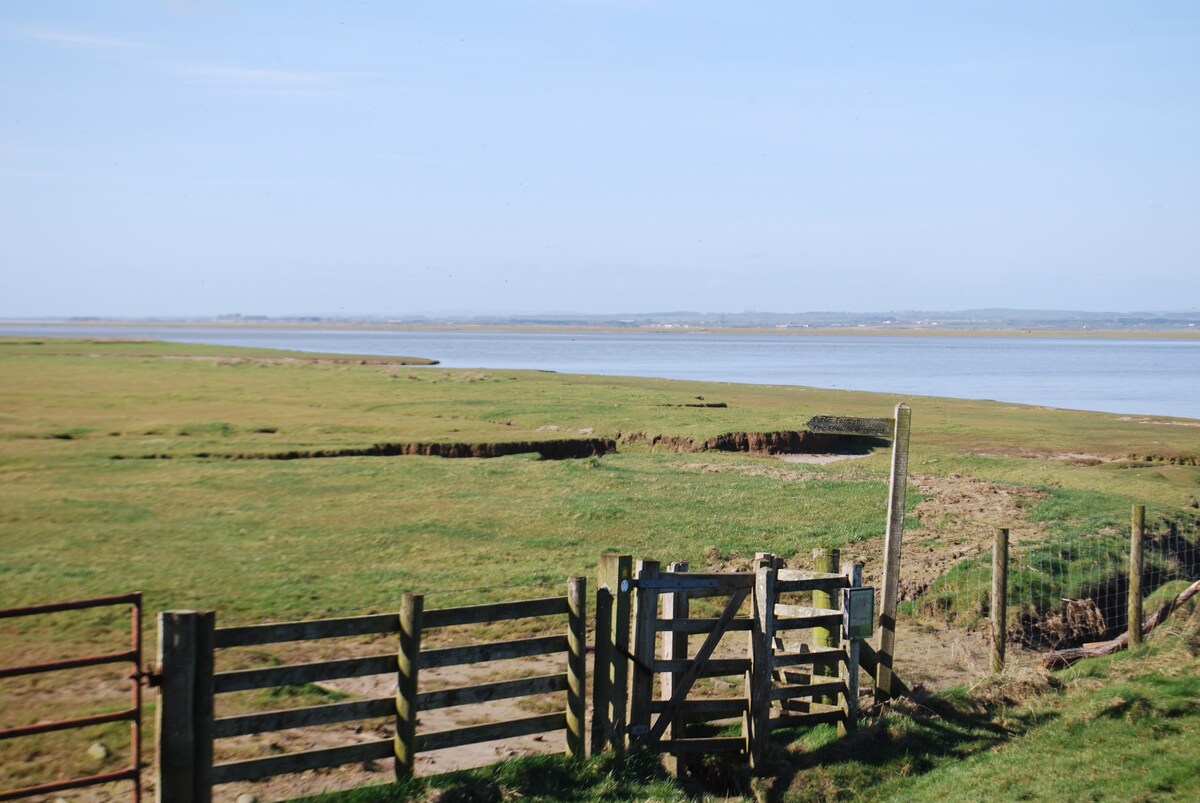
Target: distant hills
(973, 319)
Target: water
(1143, 376)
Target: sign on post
(858, 612)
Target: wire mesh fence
(1070, 587)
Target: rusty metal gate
(132, 715)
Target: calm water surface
(1156, 377)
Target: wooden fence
(188, 728)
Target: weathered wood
(641, 687)
(836, 580)
(807, 719)
(296, 674)
(847, 425)
(495, 612)
(493, 651)
(175, 765)
(576, 665)
(723, 583)
(826, 561)
(675, 647)
(612, 674)
(869, 663)
(826, 654)
(801, 617)
(1064, 658)
(408, 664)
(308, 716)
(1137, 535)
(818, 691)
(251, 635)
(440, 740)
(601, 661)
(812, 584)
(761, 639)
(685, 626)
(692, 672)
(890, 596)
(999, 598)
(487, 692)
(257, 768)
(713, 668)
(720, 706)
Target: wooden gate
(786, 676)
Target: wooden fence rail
(188, 642)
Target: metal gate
(132, 715)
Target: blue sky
(195, 158)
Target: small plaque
(858, 612)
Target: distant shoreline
(848, 331)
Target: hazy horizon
(190, 159)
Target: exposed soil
(566, 449)
(766, 443)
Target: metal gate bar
(133, 714)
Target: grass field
(103, 491)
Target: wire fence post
(1137, 533)
(999, 598)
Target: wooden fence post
(675, 647)
(184, 732)
(826, 560)
(641, 689)
(576, 664)
(611, 670)
(412, 607)
(849, 669)
(999, 598)
(762, 639)
(1136, 565)
(890, 596)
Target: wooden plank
(893, 538)
(714, 668)
(486, 692)
(693, 672)
(761, 639)
(824, 654)
(493, 651)
(601, 661)
(202, 719)
(847, 425)
(576, 665)
(257, 768)
(641, 687)
(740, 625)
(296, 674)
(848, 669)
(869, 661)
(698, 581)
(439, 740)
(251, 635)
(809, 690)
(800, 575)
(618, 686)
(494, 612)
(804, 720)
(793, 586)
(408, 668)
(675, 647)
(714, 744)
(269, 721)
(715, 707)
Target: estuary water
(1127, 376)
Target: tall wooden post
(185, 707)
(611, 668)
(898, 485)
(999, 598)
(1137, 533)
(675, 647)
(829, 561)
(576, 664)
(408, 662)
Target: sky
(206, 157)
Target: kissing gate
(786, 679)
